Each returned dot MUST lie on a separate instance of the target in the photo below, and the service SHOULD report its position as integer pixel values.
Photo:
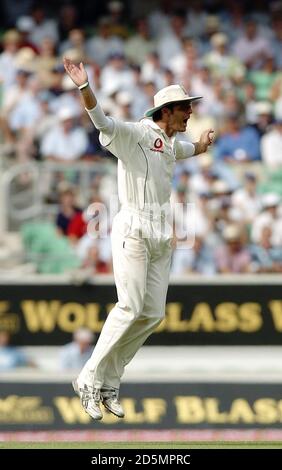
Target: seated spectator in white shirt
(269, 217)
(246, 199)
(65, 142)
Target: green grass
(142, 445)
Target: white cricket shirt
(146, 159)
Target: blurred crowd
(229, 55)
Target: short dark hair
(157, 116)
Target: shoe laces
(88, 394)
(96, 395)
(110, 393)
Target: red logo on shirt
(158, 144)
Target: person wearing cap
(141, 233)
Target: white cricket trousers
(141, 260)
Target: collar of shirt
(154, 125)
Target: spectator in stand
(276, 42)
(43, 27)
(169, 45)
(196, 18)
(202, 180)
(74, 355)
(140, 44)
(264, 117)
(252, 48)
(23, 119)
(95, 253)
(68, 20)
(117, 15)
(198, 259)
(212, 26)
(221, 63)
(75, 40)
(25, 25)
(265, 257)
(10, 356)
(116, 75)
(246, 199)
(103, 44)
(65, 142)
(232, 256)
(212, 90)
(234, 21)
(152, 70)
(247, 94)
(237, 144)
(10, 100)
(264, 78)
(124, 102)
(67, 207)
(8, 66)
(271, 147)
(186, 61)
(270, 216)
(46, 61)
(77, 226)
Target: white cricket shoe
(109, 398)
(90, 399)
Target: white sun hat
(84, 335)
(270, 200)
(65, 114)
(170, 94)
(231, 232)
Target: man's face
(179, 116)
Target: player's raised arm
(79, 77)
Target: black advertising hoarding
(195, 314)
(194, 406)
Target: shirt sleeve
(184, 150)
(119, 137)
(124, 139)
(100, 120)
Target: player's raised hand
(206, 139)
(77, 73)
